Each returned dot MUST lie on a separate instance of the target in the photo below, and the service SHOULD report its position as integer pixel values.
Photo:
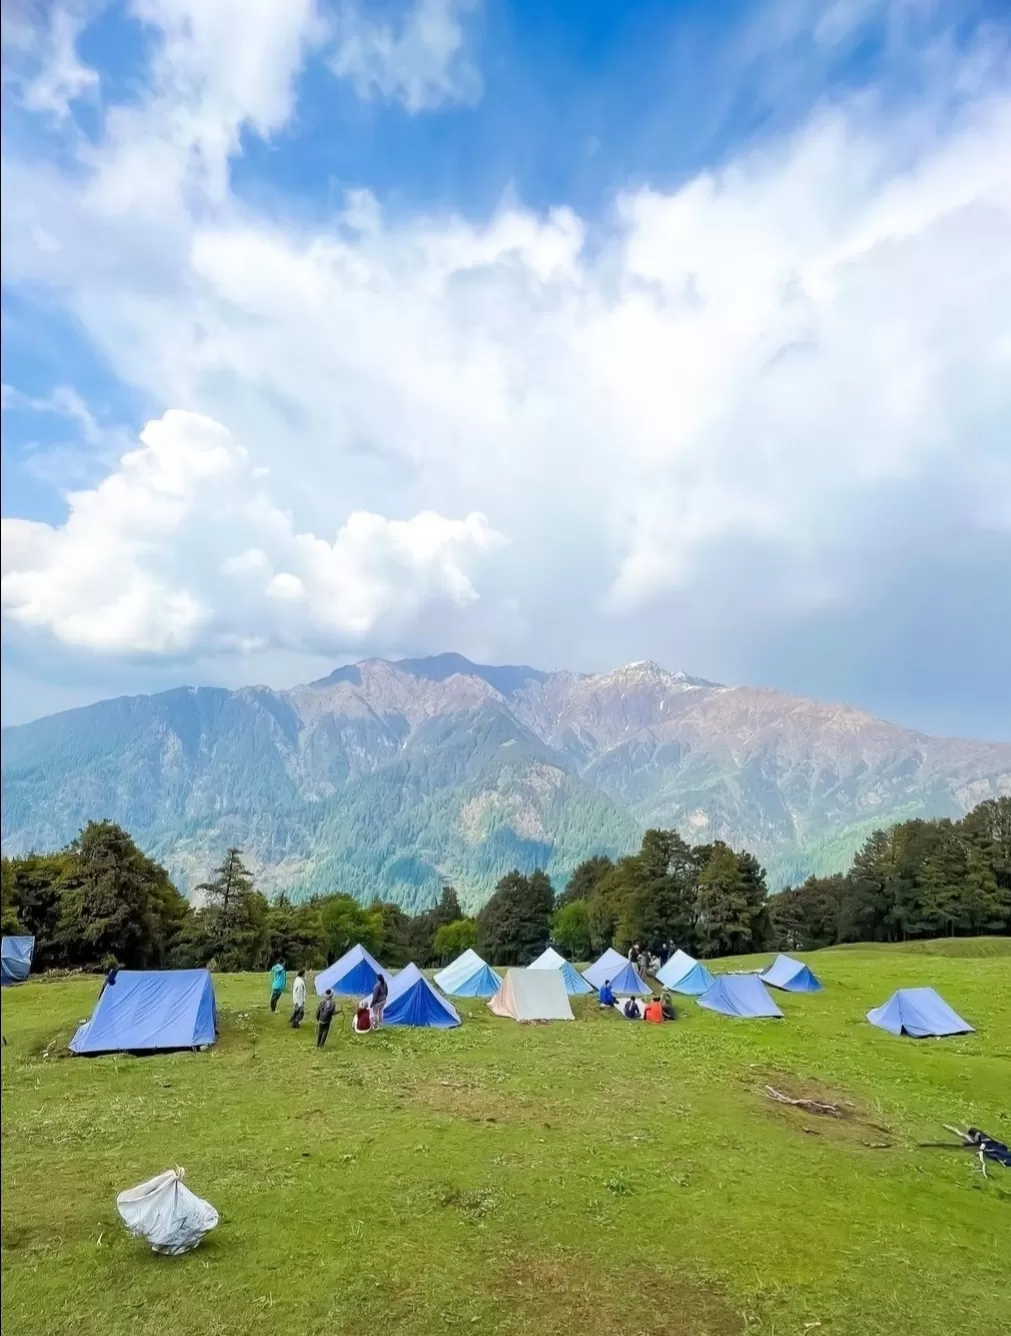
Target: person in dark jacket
(324, 1015)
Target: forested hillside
(395, 779)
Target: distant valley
(392, 779)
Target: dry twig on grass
(812, 1105)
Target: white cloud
(146, 562)
(772, 358)
(421, 61)
(41, 60)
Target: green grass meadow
(602, 1176)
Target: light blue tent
(628, 982)
(575, 984)
(16, 959)
(605, 968)
(919, 1012)
(468, 976)
(793, 976)
(147, 1010)
(354, 975)
(413, 1001)
(684, 974)
(739, 995)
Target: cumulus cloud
(421, 60)
(182, 550)
(737, 392)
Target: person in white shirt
(298, 1000)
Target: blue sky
(562, 333)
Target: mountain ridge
(389, 777)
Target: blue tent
(628, 981)
(684, 974)
(793, 976)
(575, 984)
(469, 976)
(354, 975)
(739, 995)
(413, 1001)
(146, 1010)
(16, 959)
(605, 968)
(919, 1012)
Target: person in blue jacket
(278, 983)
(605, 994)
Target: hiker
(606, 995)
(324, 1015)
(278, 983)
(298, 1000)
(667, 1006)
(379, 995)
(654, 1012)
(632, 1012)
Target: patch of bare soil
(812, 1108)
(568, 1293)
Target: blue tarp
(354, 975)
(468, 976)
(628, 981)
(684, 974)
(575, 984)
(16, 957)
(151, 1009)
(793, 976)
(605, 968)
(413, 1001)
(739, 995)
(919, 1012)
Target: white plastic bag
(166, 1213)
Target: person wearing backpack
(324, 1015)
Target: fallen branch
(812, 1105)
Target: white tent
(532, 995)
(547, 960)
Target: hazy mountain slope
(390, 778)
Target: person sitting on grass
(632, 1012)
(654, 1012)
(667, 1005)
(363, 1017)
(606, 995)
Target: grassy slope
(601, 1176)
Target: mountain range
(393, 778)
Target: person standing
(633, 953)
(298, 1000)
(278, 983)
(379, 995)
(324, 1015)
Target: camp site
(506, 1155)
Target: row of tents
(147, 1010)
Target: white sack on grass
(166, 1213)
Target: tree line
(102, 901)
